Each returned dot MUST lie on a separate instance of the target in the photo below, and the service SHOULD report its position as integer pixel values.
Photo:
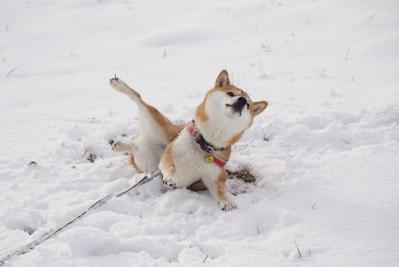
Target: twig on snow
(345, 141)
(10, 72)
(204, 260)
(297, 248)
(371, 17)
(266, 138)
(347, 54)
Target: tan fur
(131, 161)
(254, 107)
(200, 114)
(182, 162)
(167, 160)
(222, 79)
(257, 107)
(170, 129)
(234, 139)
(225, 153)
(220, 184)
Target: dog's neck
(200, 139)
(215, 132)
(215, 137)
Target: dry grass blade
(297, 248)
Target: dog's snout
(242, 100)
(239, 104)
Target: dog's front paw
(169, 182)
(226, 205)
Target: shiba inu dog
(198, 151)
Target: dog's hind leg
(154, 126)
(126, 148)
(143, 156)
(123, 88)
(121, 147)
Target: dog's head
(226, 112)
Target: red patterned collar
(206, 147)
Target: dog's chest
(188, 155)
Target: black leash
(49, 234)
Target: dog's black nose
(242, 100)
(239, 104)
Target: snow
(327, 172)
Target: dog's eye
(230, 94)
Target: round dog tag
(208, 158)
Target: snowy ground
(328, 176)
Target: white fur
(188, 159)
(222, 123)
(147, 148)
(191, 167)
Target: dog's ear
(259, 107)
(222, 79)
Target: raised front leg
(217, 188)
